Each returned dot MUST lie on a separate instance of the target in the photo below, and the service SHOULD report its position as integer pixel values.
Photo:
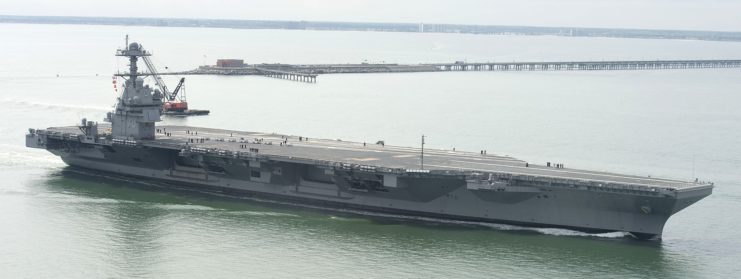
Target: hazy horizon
(712, 15)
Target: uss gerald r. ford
(375, 177)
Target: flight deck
(375, 154)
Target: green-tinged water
(57, 221)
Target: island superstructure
(374, 177)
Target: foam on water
(20, 156)
(76, 198)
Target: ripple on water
(188, 207)
(261, 213)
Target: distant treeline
(385, 27)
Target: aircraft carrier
(469, 186)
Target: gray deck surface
(381, 156)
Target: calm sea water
(61, 222)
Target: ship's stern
(35, 140)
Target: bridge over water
(588, 65)
(309, 72)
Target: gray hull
(418, 195)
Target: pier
(308, 72)
(287, 75)
(588, 65)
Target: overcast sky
(721, 15)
